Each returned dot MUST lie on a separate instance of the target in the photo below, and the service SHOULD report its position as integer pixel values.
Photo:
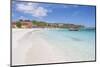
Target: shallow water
(81, 42)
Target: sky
(54, 13)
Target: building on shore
(24, 24)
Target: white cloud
(33, 9)
(40, 12)
(22, 17)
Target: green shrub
(18, 24)
(39, 23)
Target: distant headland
(23, 24)
(41, 24)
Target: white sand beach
(28, 47)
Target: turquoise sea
(79, 44)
